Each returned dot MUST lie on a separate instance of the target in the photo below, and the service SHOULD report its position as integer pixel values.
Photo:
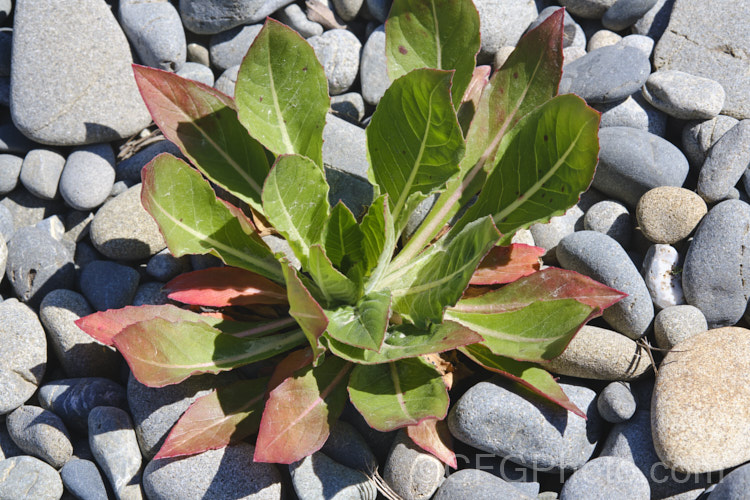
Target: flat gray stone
(473, 483)
(713, 276)
(83, 480)
(606, 75)
(505, 420)
(40, 172)
(374, 70)
(699, 136)
(502, 22)
(215, 474)
(677, 323)
(634, 112)
(72, 82)
(10, 170)
(40, 433)
(633, 161)
(74, 398)
(228, 48)
(600, 257)
(641, 42)
(410, 471)
(208, 17)
(88, 176)
(338, 50)
(607, 477)
(345, 161)
(684, 96)
(155, 30)
(28, 210)
(725, 163)
(624, 13)
(318, 476)
(30, 475)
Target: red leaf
(305, 309)
(226, 415)
(299, 411)
(530, 375)
(506, 264)
(104, 325)
(225, 286)
(432, 436)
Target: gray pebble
(164, 266)
(502, 23)
(348, 9)
(109, 285)
(155, 30)
(607, 477)
(349, 106)
(473, 483)
(725, 163)
(318, 476)
(611, 218)
(115, 448)
(7, 228)
(78, 353)
(677, 323)
(227, 80)
(712, 278)
(40, 433)
(224, 473)
(600, 257)
(527, 430)
(40, 172)
(634, 112)
(130, 168)
(699, 136)
(151, 294)
(37, 264)
(624, 13)
(10, 170)
(338, 51)
(74, 398)
(633, 161)
(345, 160)
(197, 72)
(228, 48)
(207, 17)
(88, 176)
(198, 53)
(606, 75)
(684, 96)
(38, 480)
(347, 446)
(292, 16)
(53, 226)
(411, 472)
(641, 42)
(616, 403)
(655, 21)
(374, 74)
(733, 486)
(83, 480)
(587, 9)
(27, 209)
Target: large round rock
(600, 257)
(701, 402)
(715, 273)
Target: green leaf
(437, 278)
(282, 93)
(160, 352)
(228, 414)
(295, 201)
(203, 123)
(397, 394)
(305, 309)
(549, 161)
(379, 241)
(300, 410)
(193, 221)
(530, 375)
(364, 324)
(407, 341)
(343, 239)
(334, 286)
(440, 34)
(414, 141)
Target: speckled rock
(699, 405)
(668, 214)
(601, 354)
(616, 402)
(600, 257)
(215, 474)
(40, 172)
(662, 273)
(699, 135)
(88, 176)
(607, 477)
(61, 92)
(684, 96)
(374, 75)
(338, 51)
(611, 218)
(725, 163)
(30, 475)
(23, 354)
(473, 483)
(155, 30)
(74, 398)
(123, 230)
(530, 431)
(502, 22)
(677, 323)
(413, 473)
(10, 169)
(317, 476)
(40, 433)
(83, 480)
(713, 278)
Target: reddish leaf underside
(226, 415)
(505, 264)
(299, 411)
(432, 435)
(223, 287)
(305, 309)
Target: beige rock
(601, 354)
(700, 408)
(668, 214)
(602, 38)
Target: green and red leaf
(505, 264)
(305, 309)
(432, 436)
(223, 287)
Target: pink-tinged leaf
(433, 437)
(506, 264)
(223, 287)
(203, 123)
(479, 79)
(160, 353)
(104, 325)
(246, 222)
(299, 411)
(527, 374)
(226, 415)
(305, 309)
(293, 362)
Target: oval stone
(668, 214)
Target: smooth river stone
(701, 402)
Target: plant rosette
(369, 315)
